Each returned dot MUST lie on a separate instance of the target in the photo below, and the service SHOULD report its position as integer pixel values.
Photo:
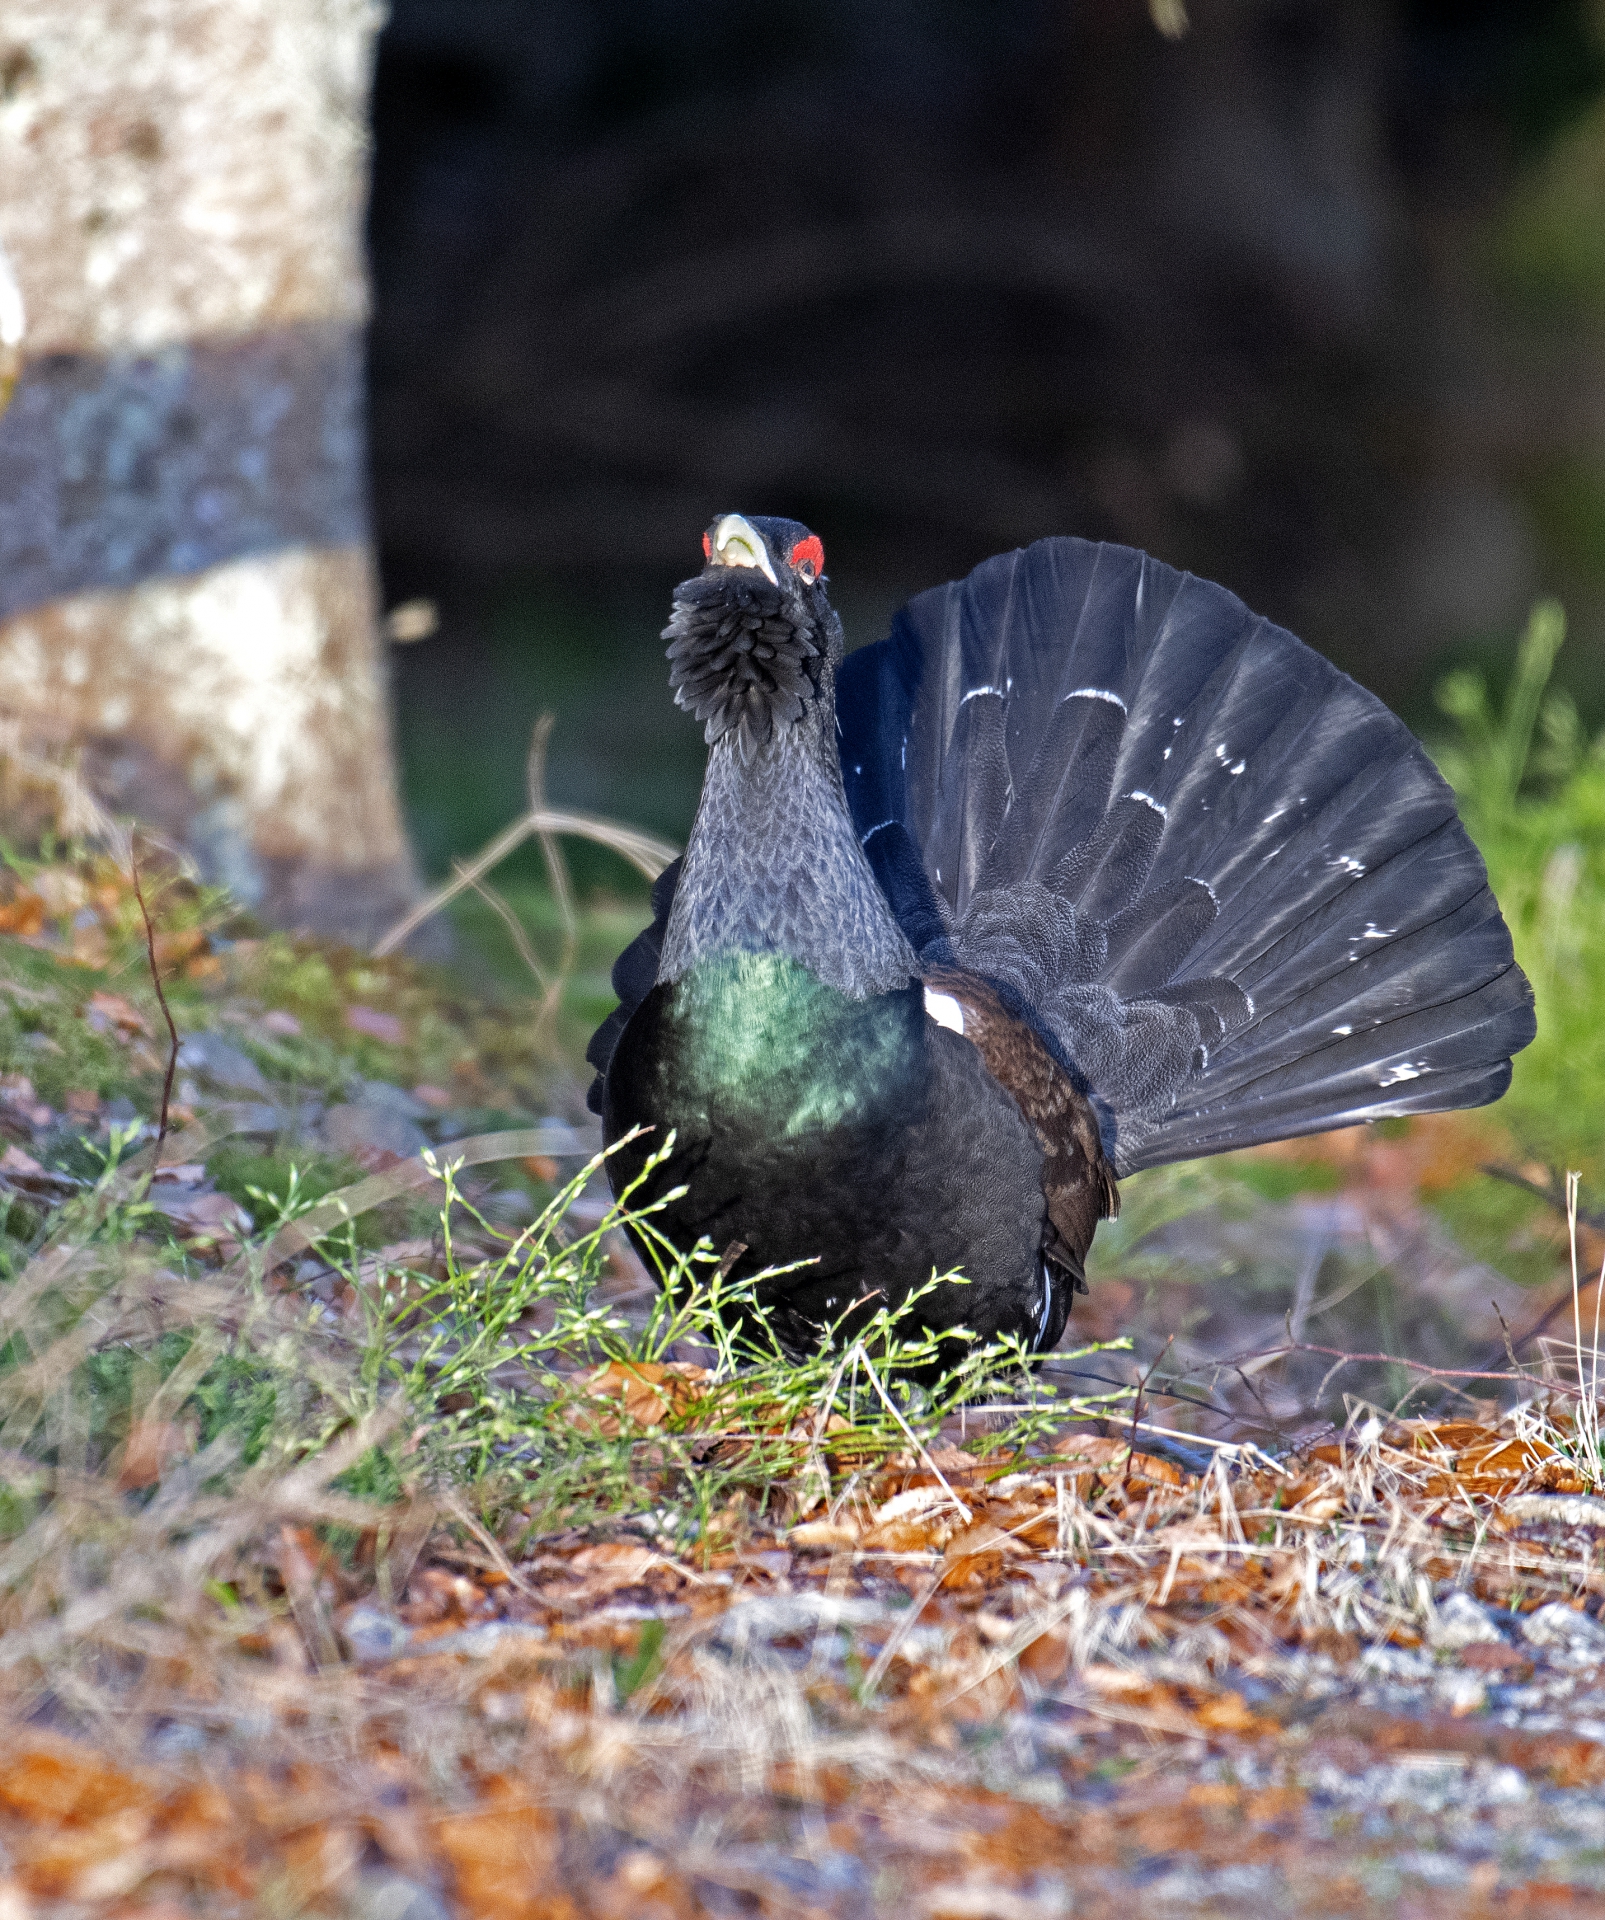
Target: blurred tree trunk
(187, 590)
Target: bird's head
(753, 641)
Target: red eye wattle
(808, 557)
(707, 548)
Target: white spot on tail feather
(1405, 1070)
(1095, 693)
(1148, 800)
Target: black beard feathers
(737, 660)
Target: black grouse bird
(1083, 869)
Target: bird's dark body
(1085, 868)
(857, 1129)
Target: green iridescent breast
(756, 1039)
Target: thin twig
(1586, 1418)
(646, 853)
(1549, 1193)
(1550, 1198)
(1030, 1630)
(1136, 1405)
(510, 920)
(1345, 1358)
(457, 1508)
(899, 1634)
(535, 787)
(1504, 1328)
(1161, 1393)
(920, 1449)
(167, 1014)
(816, 1458)
(1545, 1320)
(1192, 1439)
(556, 868)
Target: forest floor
(314, 1599)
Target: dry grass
(923, 1695)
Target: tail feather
(1223, 878)
(1375, 1074)
(1385, 1005)
(1333, 938)
(1064, 792)
(1297, 1110)
(1152, 938)
(1319, 851)
(1109, 872)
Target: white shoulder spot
(944, 1010)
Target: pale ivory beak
(735, 544)
(11, 331)
(11, 314)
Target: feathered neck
(774, 866)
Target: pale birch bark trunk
(187, 589)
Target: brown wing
(1077, 1181)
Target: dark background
(1308, 299)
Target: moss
(239, 1397)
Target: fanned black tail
(1227, 883)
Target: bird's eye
(808, 557)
